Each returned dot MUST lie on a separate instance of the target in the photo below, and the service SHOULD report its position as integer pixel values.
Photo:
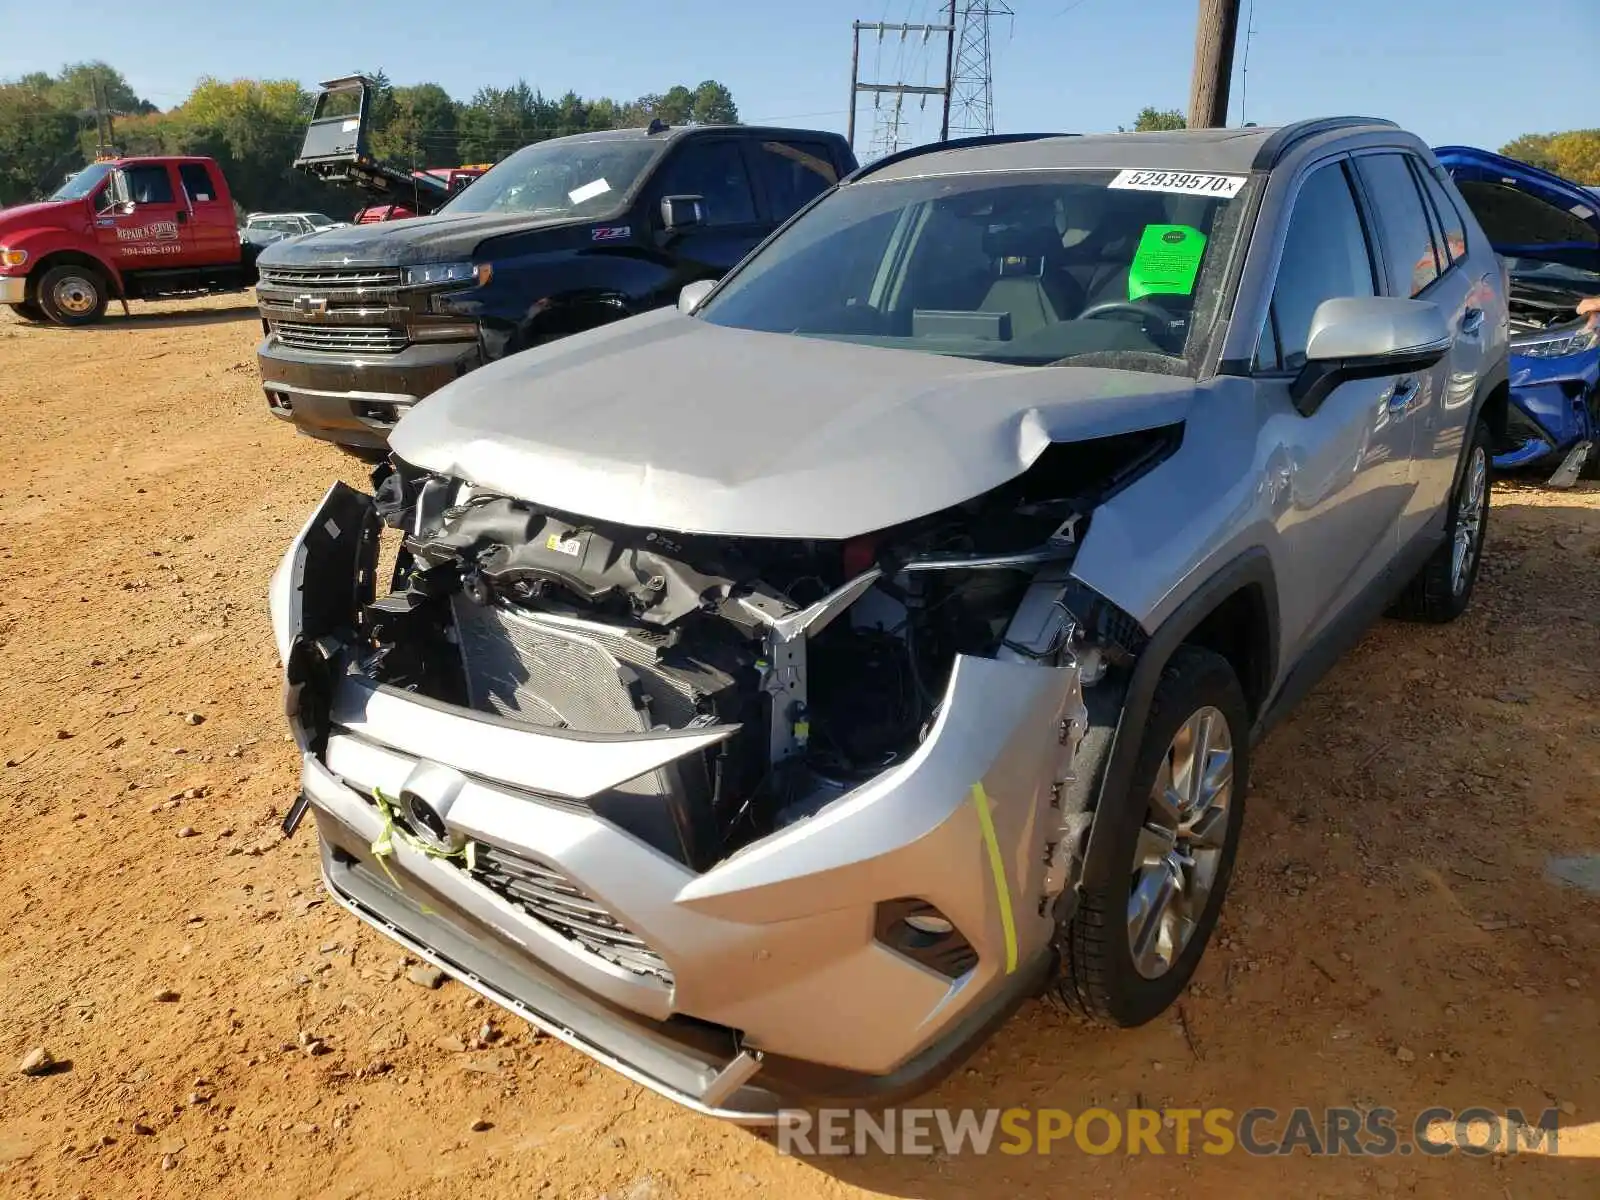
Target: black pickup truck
(562, 236)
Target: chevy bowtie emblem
(310, 304)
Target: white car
(292, 224)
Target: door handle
(1472, 322)
(1400, 399)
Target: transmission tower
(972, 80)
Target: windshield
(559, 178)
(84, 182)
(1027, 268)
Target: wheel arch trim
(1251, 569)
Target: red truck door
(211, 220)
(143, 224)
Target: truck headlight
(1559, 346)
(12, 258)
(435, 274)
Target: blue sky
(1475, 71)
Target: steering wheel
(1142, 309)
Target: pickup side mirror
(682, 212)
(1367, 337)
(693, 294)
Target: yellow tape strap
(997, 865)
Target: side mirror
(682, 212)
(1367, 337)
(691, 296)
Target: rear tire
(1126, 956)
(1442, 590)
(73, 295)
(29, 311)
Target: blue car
(1547, 230)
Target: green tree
(38, 144)
(1531, 148)
(713, 105)
(676, 106)
(1574, 155)
(1151, 118)
(421, 129)
(76, 85)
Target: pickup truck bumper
(13, 289)
(356, 401)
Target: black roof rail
(1280, 141)
(982, 139)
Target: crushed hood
(442, 237)
(667, 422)
(1527, 212)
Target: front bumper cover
(13, 289)
(353, 400)
(776, 990)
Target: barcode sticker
(1190, 183)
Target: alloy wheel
(1180, 845)
(1469, 520)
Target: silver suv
(771, 694)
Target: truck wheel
(73, 295)
(1441, 590)
(1168, 849)
(28, 312)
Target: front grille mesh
(549, 897)
(371, 339)
(335, 277)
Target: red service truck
(123, 229)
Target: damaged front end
(757, 822)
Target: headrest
(1022, 241)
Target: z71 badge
(611, 233)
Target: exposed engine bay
(830, 658)
(1538, 307)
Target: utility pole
(949, 74)
(1214, 40)
(99, 114)
(899, 89)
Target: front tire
(1442, 590)
(28, 312)
(1168, 848)
(73, 295)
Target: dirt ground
(1392, 937)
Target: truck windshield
(1028, 268)
(560, 178)
(84, 182)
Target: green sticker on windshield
(1166, 262)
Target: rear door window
(197, 183)
(1448, 215)
(715, 172)
(793, 173)
(1408, 250)
(1325, 256)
